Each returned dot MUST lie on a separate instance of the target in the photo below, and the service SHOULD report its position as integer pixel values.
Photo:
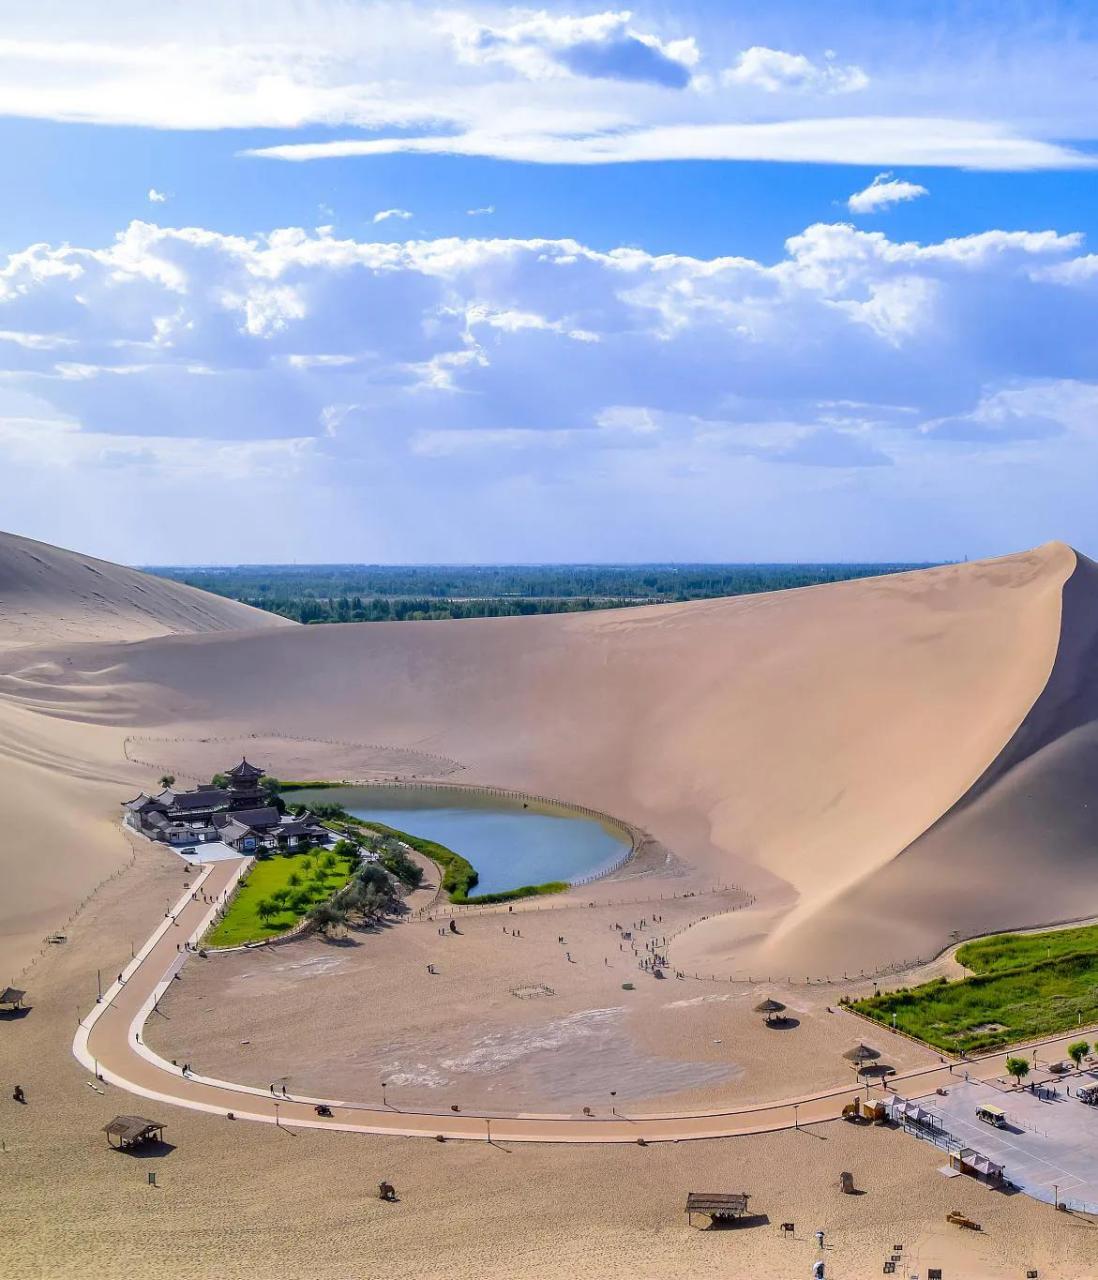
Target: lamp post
(796, 1118)
(278, 1122)
(384, 1099)
(613, 1108)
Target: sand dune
(48, 594)
(61, 779)
(881, 761)
(1019, 847)
(800, 742)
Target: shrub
(329, 809)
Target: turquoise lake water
(508, 845)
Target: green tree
(395, 859)
(266, 909)
(219, 780)
(1078, 1051)
(280, 897)
(166, 780)
(326, 918)
(1018, 1068)
(294, 878)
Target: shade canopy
(770, 1005)
(130, 1129)
(861, 1053)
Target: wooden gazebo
(860, 1055)
(718, 1205)
(133, 1131)
(770, 1007)
(12, 997)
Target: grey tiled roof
(268, 816)
(209, 798)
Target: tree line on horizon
(378, 593)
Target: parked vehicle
(992, 1115)
(1088, 1094)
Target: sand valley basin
(510, 842)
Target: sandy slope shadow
(1018, 848)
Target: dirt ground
(540, 1008)
(247, 1200)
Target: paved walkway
(109, 1040)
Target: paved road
(109, 1040)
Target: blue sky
(343, 281)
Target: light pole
(796, 1119)
(384, 1099)
(613, 1109)
(278, 1122)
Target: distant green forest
(380, 593)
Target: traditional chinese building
(239, 814)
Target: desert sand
(878, 763)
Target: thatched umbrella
(860, 1055)
(770, 1007)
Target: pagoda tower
(244, 789)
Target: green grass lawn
(999, 1007)
(1013, 950)
(242, 922)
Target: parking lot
(1049, 1147)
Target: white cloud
(883, 192)
(776, 71)
(599, 46)
(558, 87)
(484, 209)
(541, 380)
(156, 197)
(970, 144)
(383, 215)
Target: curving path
(108, 1041)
